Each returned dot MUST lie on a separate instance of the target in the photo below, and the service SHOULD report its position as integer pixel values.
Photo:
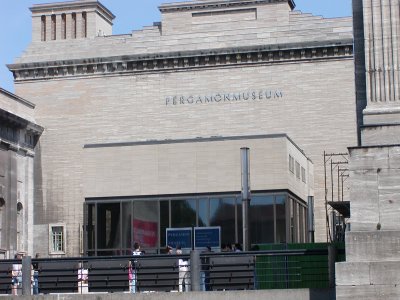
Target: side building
(121, 111)
(371, 270)
(19, 134)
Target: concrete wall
(375, 190)
(190, 167)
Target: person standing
(83, 282)
(183, 265)
(35, 286)
(16, 275)
(132, 270)
(205, 269)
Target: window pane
(145, 223)
(222, 213)
(164, 221)
(108, 233)
(203, 212)
(126, 228)
(57, 238)
(183, 213)
(280, 206)
(91, 226)
(261, 219)
(301, 223)
(239, 216)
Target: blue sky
(15, 22)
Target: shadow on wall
(322, 294)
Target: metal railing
(207, 271)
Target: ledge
(199, 5)
(171, 61)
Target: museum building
(19, 134)
(143, 131)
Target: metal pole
(326, 200)
(342, 187)
(338, 182)
(332, 253)
(195, 268)
(26, 275)
(245, 159)
(311, 219)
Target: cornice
(175, 61)
(21, 150)
(212, 4)
(50, 8)
(20, 123)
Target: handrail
(225, 270)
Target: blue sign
(207, 237)
(179, 237)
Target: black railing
(217, 271)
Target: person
(168, 250)
(226, 248)
(130, 277)
(16, 275)
(132, 269)
(205, 269)
(83, 282)
(183, 265)
(238, 247)
(35, 286)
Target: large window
(281, 219)
(183, 213)
(113, 226)
(262, 219)
(223, 213)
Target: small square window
(57, 238)
(297, 170)
(291, 164)
(303, 175)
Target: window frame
(52, 235)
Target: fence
(266, 269)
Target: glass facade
(113, 226)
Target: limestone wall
(316, 110)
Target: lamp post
(246, 195)
(310, 219)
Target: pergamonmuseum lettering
(255, 95)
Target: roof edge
(37, 8)
(192, 5)
(17, 98)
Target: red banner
(145, 233)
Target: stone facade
(161, 167)
(373, 244)
(18, 136)
(210, 68)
